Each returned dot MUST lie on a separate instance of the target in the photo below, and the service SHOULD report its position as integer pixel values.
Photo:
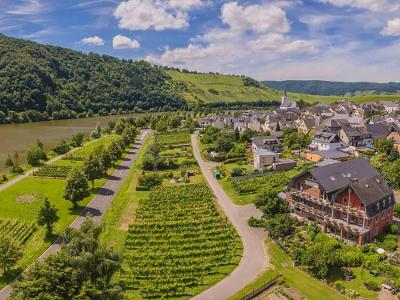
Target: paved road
(99, 204)
(30, 172)
(254, 259)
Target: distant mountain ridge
(333, 88)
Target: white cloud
(373, 5)
(28, 7)
(392, 28)
(93, 41)
(258, 18)
(150, 14)
(123, 42)
(186, 5)
(279, 43)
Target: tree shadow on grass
(10, 275)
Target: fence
(264, 287)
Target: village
(340, 189)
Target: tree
(280, 226)
(76, 188)
(224, 143)
(106, 162)
(47, 216)
(81, 270)
(93, 169)
(384, 145)
(10, 252)
(77, 139)
(61, 148)
(270, 203)
(35, 155)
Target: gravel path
(254, 259)
(99, 204)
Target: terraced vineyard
(53, 171)
(176, 241)
(254, 184)
(18, 230)
(84, 152)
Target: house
(378, 131)
(390, 107)
(286, 103)
(318, 156)
(355, 137)
(396, 139)
(306, 125)
(325, 141)
(356, 121)
(334, 124)
(266, 142)
(263, 158)
(349, 200)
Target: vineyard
(173, 138)
(53, 171)
(177, 240)
(18, 230)
(84, 152)
(254, 184)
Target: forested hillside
(40, 82)
(328, 88)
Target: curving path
(99, 204)
(254, 260)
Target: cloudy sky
(341, 40)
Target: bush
(397, 210)
(372, 285)
(237, 172)
(150, 181)
(393, 229)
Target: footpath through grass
(304, 283)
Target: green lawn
(68, 163)
(304, 283)
(11, 208)
(202, 87)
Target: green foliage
(280, 226)
(81, 270)
(270, 203)
(77, 139)
(177, 239)
(53, 171)
(45, 82)
(93, 168)
(35, 156)
(372, 285)
(397, 210)
(47, 216)
(61, 148)
(19, 231)
(10, 252)
(149, 181)
(296, 140)
(237, 172)
(393, 229)
(384, 145)
(76, 188)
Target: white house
(263, 158)
(323, 141)
(391, 107)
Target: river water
(19, 137)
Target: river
(19, 137)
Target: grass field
(210, 88)
(304, 283)
(22, 202)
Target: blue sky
(342, 40)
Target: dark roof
(362, 178)
(371, 192)
(355, 131)
(338, 176)
(325, 136)
(310, 122)
(378, 130)
(332, 154)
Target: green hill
(39, 82)
(319, 87)
(209, 88)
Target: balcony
(333, 206)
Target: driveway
(254, 260)
(99, 204)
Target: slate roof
(378, 130)
(332, 154)
(361, 177)
(325, 136)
